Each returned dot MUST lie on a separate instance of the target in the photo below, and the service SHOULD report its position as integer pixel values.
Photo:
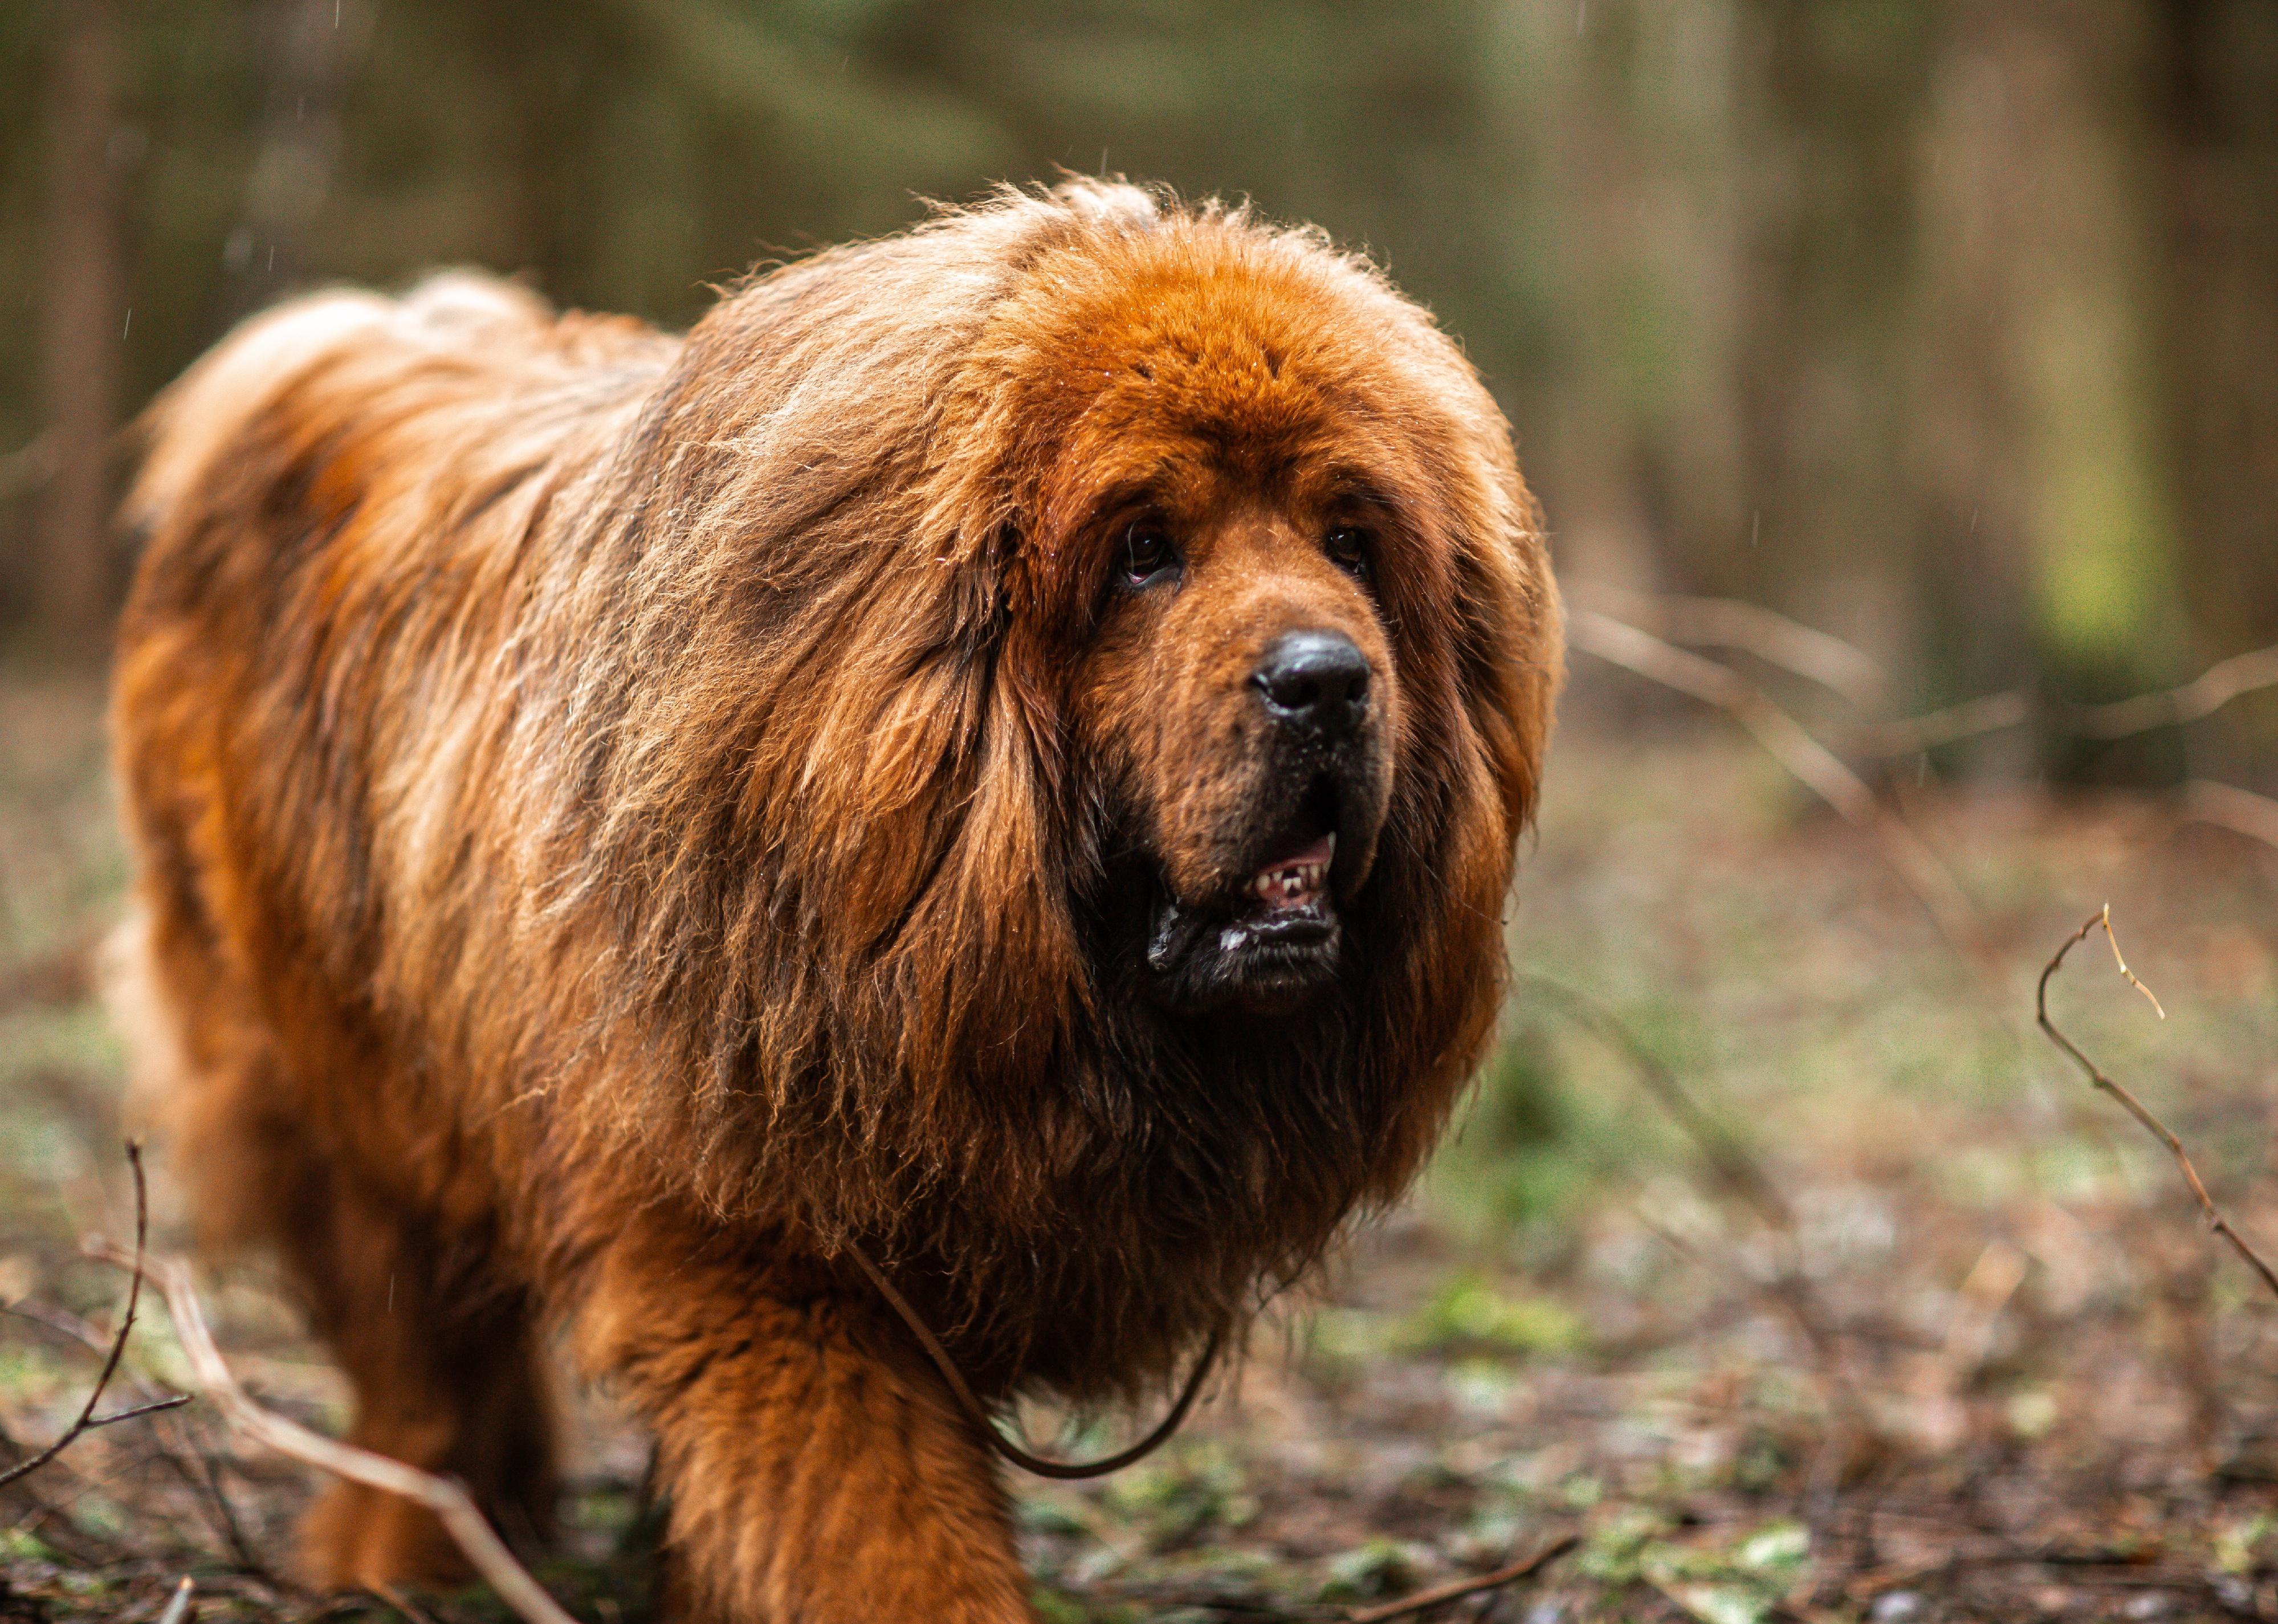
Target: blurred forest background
(1950, 329)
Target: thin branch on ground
(60, 1529)
(133, 1411)
(1811, 761)
(1456, 1589)
(448, 1499)
(1731, 623)
(2202, 695)
(180, 1446)
(2135, 1107)
(86, 1420)
(1380, 1612)
(1734, 1167)
(179, 1610)
(2242, 811)
(29, 465)
(2169, 707)
(1971, 719)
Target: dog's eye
(1147, 554)
(1347, 546)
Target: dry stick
(86, 1420)
(2204, 695)
(1419, 1601)
(2159, 1129)
(1971, 719)
(2242, 811)
(1771, 636)
(445, 1498)
(188, 1458)
(80, 1332)
(1811, 762)
(1456, 1589)
(178, 1610)
(1724, 1153)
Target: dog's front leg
(816, 1472)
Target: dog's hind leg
(816, 1471)
(447, 1376)
(279, 1152)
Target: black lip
(1264, 959)
(1235, 951)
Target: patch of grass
(1471, 1315)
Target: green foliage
(1469, 1314)
(1515, 1159)
(1193, 1490)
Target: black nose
(1315, 680)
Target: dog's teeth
(1294, 883)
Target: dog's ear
(1510, 642)
(935, 824)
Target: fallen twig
(185, 1453)
(2202, 695)
(85, 1422)
(29, 465)
(1971, 719)
(1785, 739)
(1771, 636)
(132, 1411)
(2167, 708)
(1456, 1589)
(2227, 806)
(448, 1499)
(1380, 1612)
(1729, 1160)
(1791, 1289)
(2136, 1109)
(178, 1610)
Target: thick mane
(698, 778)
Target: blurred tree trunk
(2046, 384)
(2085, 360)
(2217, 116)
(82, 329)
(1832, 527)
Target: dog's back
(401, 445)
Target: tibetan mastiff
(996, 759)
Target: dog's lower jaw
(1262, 961)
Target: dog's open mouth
(1266, 946)
(1298, 880)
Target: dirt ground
(1967, 1353)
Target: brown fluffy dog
(1003, 748)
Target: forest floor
(1968, 1351)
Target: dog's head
(1269, 549)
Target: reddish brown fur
(620, 817)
